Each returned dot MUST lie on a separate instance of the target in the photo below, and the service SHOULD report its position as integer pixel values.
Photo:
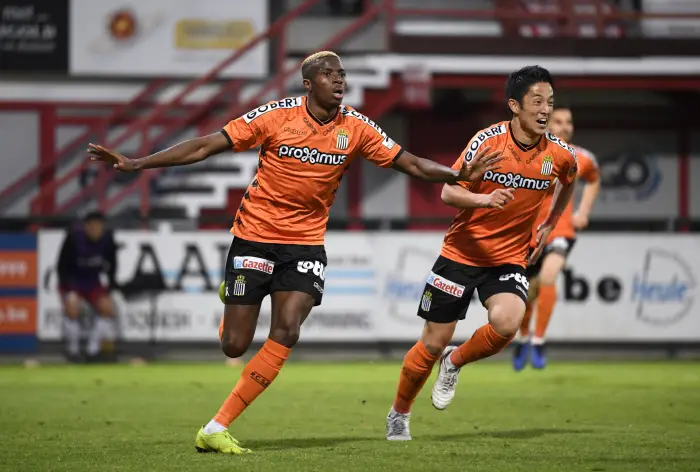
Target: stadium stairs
(213, 187)
(212, 190)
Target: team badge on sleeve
(547, 166)
(426, 300)
(342, 141)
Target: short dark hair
(94, 215)
(520, 81)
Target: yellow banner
(207, 34)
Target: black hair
(520, 81)
(94, 215)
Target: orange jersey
(301, 163)
(587, 171)
(486, 237)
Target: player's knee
(436, 336)
(71, 311)
(551, 268)
(435, 342)
(435, 347)
(233, 346)
(505, 321)
(107, 314)
(549, 279)
(286, 334)
(534, 289)
(105, 307)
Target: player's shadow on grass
(305, 443)
(310, 443)
(507, 434)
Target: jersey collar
(316, 120)
(521, 146)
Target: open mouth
(542, 122)
(338, 93)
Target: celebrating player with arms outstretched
(486, 247)
(306, 145)
(543, 274)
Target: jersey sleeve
(567, 167)
(587, 166)
(377, 147)
(250, 130)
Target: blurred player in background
(306, 145)
(544, 273)
(88, 251)
(486, 248)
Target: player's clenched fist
(480, 164)
(497, 199)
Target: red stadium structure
(612, 62)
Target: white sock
(393, 413)
(71, 333)
(100, 331)
(521, 339)
(214, 427)
(537, 341)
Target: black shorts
(558, 245)
(450, 287)
(255, 270)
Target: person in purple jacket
(88, 252)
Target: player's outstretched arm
(459, 197)
(184, 153)
(431, 171)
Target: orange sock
(416, 368)
(525, 324)
(485, 342)
(546, 300)
(257, 375)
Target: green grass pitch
(331, 417)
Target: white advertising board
(166, 38)
(623, 287)
(192, 267)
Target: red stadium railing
(564, 14)
(142, 123)
(98, 127)
(142, 183)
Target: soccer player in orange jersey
(543, 274)
(306, 145)
(486, 248)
